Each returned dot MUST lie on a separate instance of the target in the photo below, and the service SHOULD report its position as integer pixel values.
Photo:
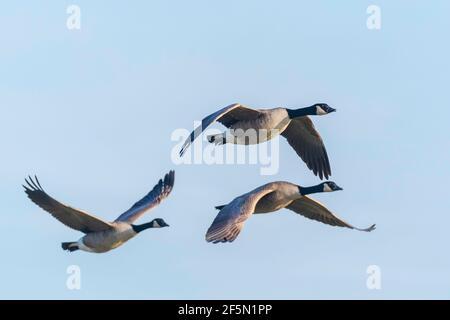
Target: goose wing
(314, 210)
(73, 218)
(306, 141)
(226, 116)
(230, 220)
(151, 200)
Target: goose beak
(339, 188)
(331, 110)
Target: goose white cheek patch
(326, 188)
(320, 111)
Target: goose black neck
(142, 227)
(309, 190)
(296, 113)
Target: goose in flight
(269, 198)
(264, 124)
(100, 235)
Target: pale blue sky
(91, 113)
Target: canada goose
(102, 236)
(294, 125)
(269, 198)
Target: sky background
(91, 113)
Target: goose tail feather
(69, 246)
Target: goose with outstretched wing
(102, 236)
(269, 198)
(253, 126)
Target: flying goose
(269, 198)
(102, 236)
(293, 124)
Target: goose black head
(330, 186)
(158, 223)
(318, 109)
(323, 109)
(155, 223)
